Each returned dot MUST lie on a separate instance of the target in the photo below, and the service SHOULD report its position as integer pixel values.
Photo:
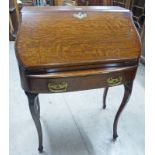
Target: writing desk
(64, 49)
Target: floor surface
(74, 123)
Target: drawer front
(48, 84)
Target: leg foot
(35, 110)
(115, 136)
(127, 93)
(40, 149)
(104, 97)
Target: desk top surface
(67, 36)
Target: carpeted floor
(74, 123)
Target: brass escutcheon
(57, 87)
(114, 81)
(80, 15)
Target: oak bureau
(64, 49)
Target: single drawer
(78, 80)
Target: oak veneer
(64, 49)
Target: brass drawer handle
(58, 87)
(114, 81)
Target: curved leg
(37, 106)
(104, 97)
(127, 93)
(32, 98)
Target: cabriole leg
(35, 112)
(104, 97)
(37, 106)
(127, 93)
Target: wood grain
(95, 47)
(51, 36)
(76, 80)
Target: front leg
(104, 97)
(35, 112)
(37, 106)
(127, 94)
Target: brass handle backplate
(114, 81)
(57, 87)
